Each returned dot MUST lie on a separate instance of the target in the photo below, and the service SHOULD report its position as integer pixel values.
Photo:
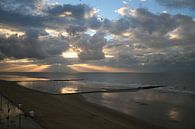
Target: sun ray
(96, 68)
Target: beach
(68, 111)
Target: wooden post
(1, 103)
(20, 117)
(8, 110)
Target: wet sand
(68, 111)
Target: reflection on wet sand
(170, 110)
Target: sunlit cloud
(56, 33)
(122, 11)
(9, 32)
(126, 11)
(70, 54)
(91, 32)
(108, 53)
(91, 13)
(127, 34)
(95, 68)
(174, 34)
(65, 14)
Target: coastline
(70, 111)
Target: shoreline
(70, 111)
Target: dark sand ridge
(68, 111)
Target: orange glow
(24, 68)
(95, 68)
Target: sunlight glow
(16, 61)
(24, 68)
(107, 53)
(91, 32)
(95, 68)
(127, 34)
(55, 33)
(70, 54)
(10, 32)
(68, 90)
(174, 34)
(67, 13)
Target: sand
(68, 111)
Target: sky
(97, 36)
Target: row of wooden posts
(8, 109)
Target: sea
(172, 105)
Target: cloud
(153, 38)
(122, 11)
(153, 30)
(138, 38)
(32, 17)
(78, 11)
(25, 7)
(29, 46)
(20, 20)
(178, 3)
(91, 47)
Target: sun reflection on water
(174, 115)
(65, 90)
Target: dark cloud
(19, 48)
(120, 25)
(77, 11)
(91, 46)
(29, 46)
(25, 7)
(20, 20)
(154, 39)
(75, 29)
(156, 31)
(139, 37)
(35, 13)
(94, 23)
(128, 59)
(178, 3)
(32, 17)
